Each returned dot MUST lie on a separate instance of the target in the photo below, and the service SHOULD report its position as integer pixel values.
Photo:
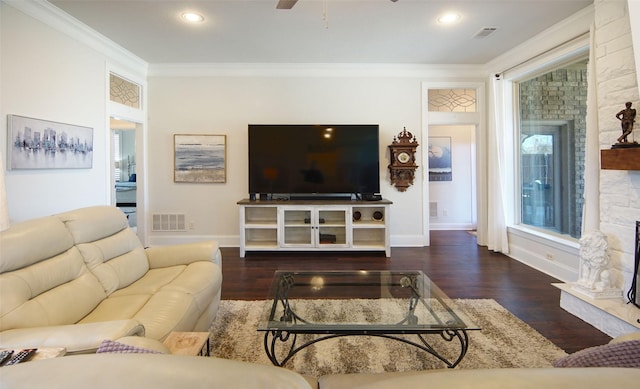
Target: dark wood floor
(454, 261)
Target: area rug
(504, 342)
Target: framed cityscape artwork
(199, 158)
(43, 144)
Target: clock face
(404, 157)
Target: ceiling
(319, 31)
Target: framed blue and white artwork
(200, 158)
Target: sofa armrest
(184, 254)
(76, 338)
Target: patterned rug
(504, 342)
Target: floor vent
(433, 209)
(169, 222)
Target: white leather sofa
(77, 278)
(138, 371)
(135, 371)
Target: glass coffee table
(401, 305)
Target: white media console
(329, 225)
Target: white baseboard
(166, 240)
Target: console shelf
(298, 225)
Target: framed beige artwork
(200, 158)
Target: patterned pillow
(109, 346)
(622, 354)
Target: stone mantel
(613, 316)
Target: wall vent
(433, 209)
(169, 222)
(485, 32)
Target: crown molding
(59, 20)
(569, 29)
(351, 70)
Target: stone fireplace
(616, 74)
(594, 297)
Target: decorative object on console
(200, 158)
(43, 144)
(627, 118)
(403, 160)
(594, 277)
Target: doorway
(124, 165)
(452, 182)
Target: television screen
(313, 159)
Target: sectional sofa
(77, 278)
(74, 279)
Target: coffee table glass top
(389, 302)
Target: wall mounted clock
(402, 153)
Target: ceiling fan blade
(286, 4)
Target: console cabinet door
(315, 227)
(332, 229)
(297, 227)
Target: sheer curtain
(499, 153)
(4, 211)
(591, 207)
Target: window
(124, 92)
(552, 111)
(452, 100)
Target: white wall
(55, 68)
(226, 105)
(48, 76)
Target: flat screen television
(302, 160)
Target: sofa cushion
(168, 311)
(619, 354)
(164, 300)
(19, 248)
(151, 282)
(117, 260)
(94, 223)
(515, 378)
(58, 290)
(111, 249)
(117, 308)
(124, 371)
(201, 280)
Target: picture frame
(199, 158)
(440, 167)
(43, 144)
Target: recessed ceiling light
(449, 18)
(192, 17)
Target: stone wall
(616, 84)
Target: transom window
(124, 92)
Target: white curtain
(591, 206)
(4, 211)
(498, 152)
